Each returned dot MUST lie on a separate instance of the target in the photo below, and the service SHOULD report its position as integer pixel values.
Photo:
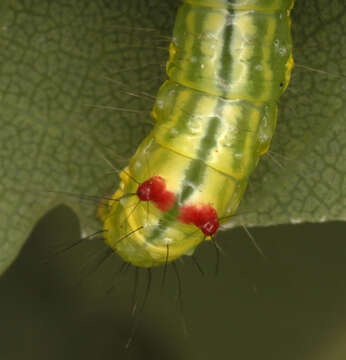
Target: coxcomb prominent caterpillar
(230, 60)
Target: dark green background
(291, 305)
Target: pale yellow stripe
(267, 58)
(244, 27)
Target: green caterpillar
(230, 61)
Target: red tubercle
(151, 188)
(203, 216)
(154, 190)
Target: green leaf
(77, 85)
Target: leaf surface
(77, 86)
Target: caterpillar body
(230, 60)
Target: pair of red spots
(203, 216)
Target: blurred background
(60, 301)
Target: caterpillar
(229, 62)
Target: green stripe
(226, 57)
(192, 29)
(193, 175)
(197, 168)
(181, 125)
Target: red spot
(154, 190)
(203, 216)
(151, 189)
(166, 201)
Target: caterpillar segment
(230, 61)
